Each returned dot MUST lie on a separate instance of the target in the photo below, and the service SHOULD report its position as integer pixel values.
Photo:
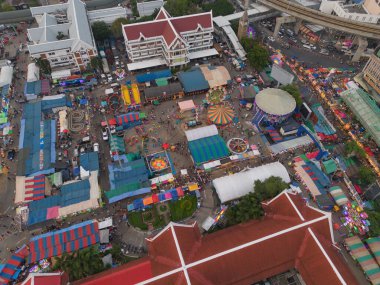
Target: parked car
(96, 147)
(105, 134)
(271, 38)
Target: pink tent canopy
(186, 105)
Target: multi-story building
(354, 12)
(63, 36)
(372, 6)
(371, 71)
(171, 41)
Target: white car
(96, 147)
(313, 47)
(105, 134)
(109, 78)
(307, 46)
(271, 38)
(112, 129)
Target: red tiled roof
(127, 274)
(56, 278)
(191, 22)
(291, 235)
(168, 27)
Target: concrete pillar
(297, 26)
(362, 45)
(280, 21)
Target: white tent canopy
(239, 184)
(6, 75)
(201, 133)
(33, 72)
(60, 74)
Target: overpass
(17, 16)
(334, 22)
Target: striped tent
(374, 245)
(339, 197)
(360, 253)
(220, 114)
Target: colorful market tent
(329, 166)
(126, 120)
(374, 245)
(360, 253)
(187, 105)
(67, 240)
(207, 149)
(29, 188)
(339, 197)
(151, 76)
(220, 114)
(172, 194)
(12, 268)
(128, 179)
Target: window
(51, 53)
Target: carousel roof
(275, 101)
(220, 114)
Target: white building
(170, 41)
(354, 12)
(107, 15)
(63, 36)
(148, 8)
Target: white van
(115, 85)
(307, 46)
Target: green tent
(330, 166)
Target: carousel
(216, 95)
(237, 145)
(220, 115)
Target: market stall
(339, 197)
(360, 253)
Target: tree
(100, 30)
(352, 148)
(219, 8)
(258, 57)
(180, 7)
(249, 206)
(60, 36)
(366, 175)
(5, 7)
(293, 90)
(116, 27)
(96, 63)
(44, 65)
(80, 263)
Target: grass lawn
(135, 219)
(183, 208)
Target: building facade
(171, 41)
(64, 36)
(372, 6)
(371, 71)
(354, 12)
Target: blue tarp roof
(193, 80)
(89, 161)
(145, 77)
(48, 104)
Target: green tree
(5, 7)
(366, 175)
(135, 12)
(44, 65)
(235, 25)
(100, 30)
(219, 8)
(96, 63)
(249, 206)
(180, 7)
(60, 36)
(116, 27)
(293, 90)
(352, 148)
(80, 264)
(258, 57)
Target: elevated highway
(334, 22)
